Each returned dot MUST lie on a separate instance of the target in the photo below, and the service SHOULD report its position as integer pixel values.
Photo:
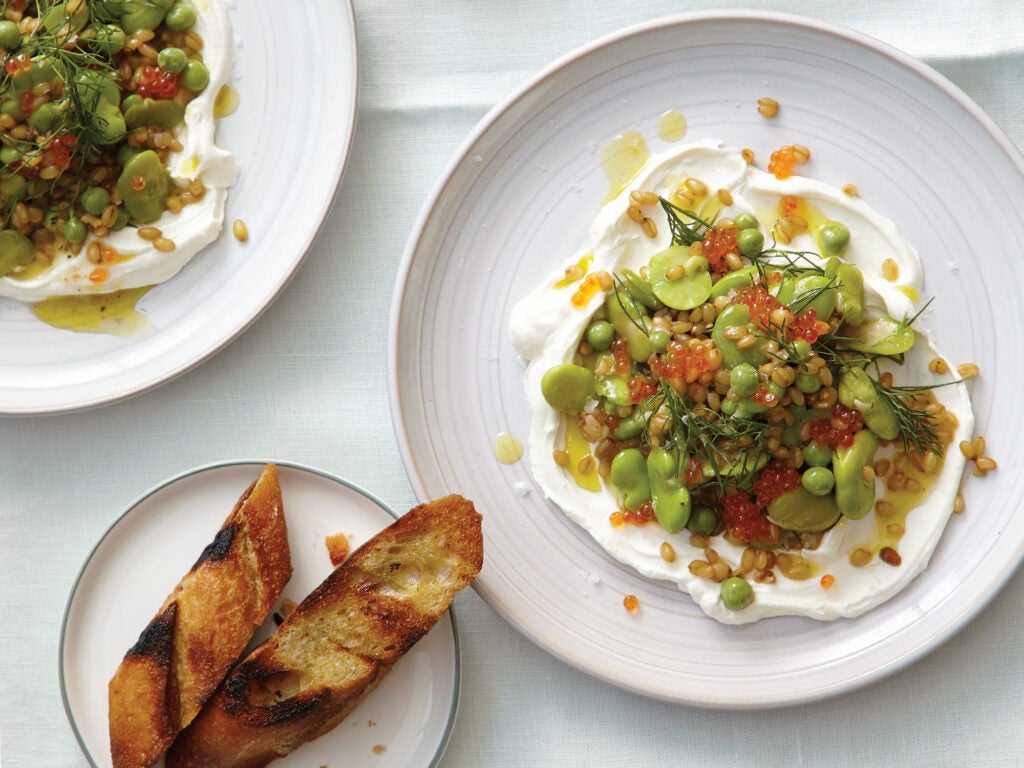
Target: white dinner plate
(516, 203)
(404, 723)
(291, 136)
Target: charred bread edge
(198, 470)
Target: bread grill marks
(201, 629)
(340, 642)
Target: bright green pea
(746, 221)
(180, 16)
(600, 334)
(9, 155)
(10, 37)
(737, 593)
(817, 455)
(803, 349)
(172, 60)
(703, 520)
(833, 238)
(75, 230)
(808, 383)
(195, 76)
(729, 407)
(95, 200)
(818, 480)
(568, 387)
(659, 341)
(743, 379)
(750, 242)
(108, 39)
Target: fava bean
(566, 387)
(16, 251)
(804, 512)
(855, 493)
(687, 291)
(857, 390)
(629, 474)
(671, 498)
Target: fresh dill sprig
(732, 448)
(686, 226)
(918, 427)
(630, 305)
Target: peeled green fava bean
(639, 289)
(883, 336)
(629, 474)
(817, 455)
(741, 278)
(566, 387)
(16, 251)
(57, 17)
(857, 390)
(162, 112)
(671, 498)
(855, 487)
(803, 511)
(614, 389)
(624, 315)
(814, 292)
(833, 238)
(144, 14)
(850, 293)
(737, 315)
(688, 290)
(736, 593)
(109, 123)
(44, 118)
(630, 427)
(144, 184)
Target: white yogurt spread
(545, 328)
(195, 227)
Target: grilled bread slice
(339, 643)
(202, 628)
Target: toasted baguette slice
(339, 643)
(202, 628)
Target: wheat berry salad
(109, 175)
(731, 389)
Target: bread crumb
(379, 749)
(338, 547)
(284, 610)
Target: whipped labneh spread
(845, 569)
(198, 224)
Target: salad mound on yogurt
(730, 391)
(109, 175)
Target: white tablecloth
(307, 383)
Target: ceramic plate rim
(256, 463)
(441, 188)
(110, 394)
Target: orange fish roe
(631, 602)
(839, 430)
(745, 520)
(776, 480)
(98, 276)
(783, 160)
(620, 351)
(639, 516)
(719, 241)
(788, 204)
(827, 581)
(591, 285)
(685, 361)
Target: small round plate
(291, 137)
(516, 204)
(404, 723)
